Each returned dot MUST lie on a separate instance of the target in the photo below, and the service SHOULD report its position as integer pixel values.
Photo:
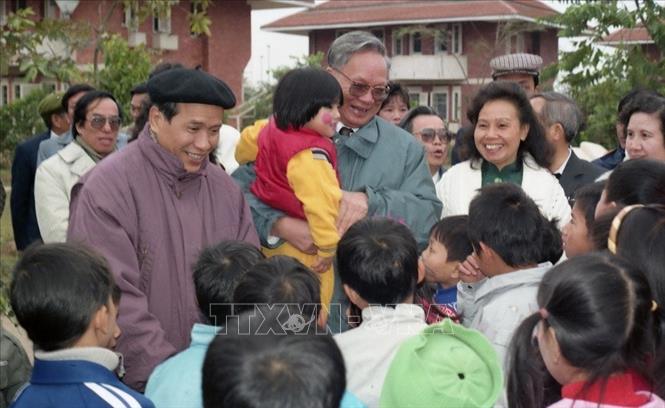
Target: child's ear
(455, 273)
(323, 318)
(100, 318)
(421, 270)
(486, 250)
(353, 296)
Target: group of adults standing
(152, 206)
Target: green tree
(124, 67)
(18, 121)
(596, 77)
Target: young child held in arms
(448, 246)
(593, 341)
(510, 237)
(377, 260)
(65, 298)
(296, 164)
(177, 381)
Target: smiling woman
(504, 144)
(96, 121)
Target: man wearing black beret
(152, 207)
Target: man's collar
(565, 163)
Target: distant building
(634, 37)
(439, 49)
(225, 53)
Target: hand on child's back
(322, 264)
(469, 270)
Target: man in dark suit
(24, 166)
(563, 120)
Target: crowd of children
(499, 309)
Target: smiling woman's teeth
(492, 146)
(197, 157)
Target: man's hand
(352, 208)
(469, 270)
(296, 232)
(321, 264)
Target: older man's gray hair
(561, 109)
(348, 44)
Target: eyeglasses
(98, 122)
(358, 89)
(427, 135)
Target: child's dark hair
(587, 198)
(378, 258)
(283, 281)
(552, 242)
(600, 309)
(637, 182)
(301, 93)
(55, 291)
(451, 232)
(217, 272)
(254, 366)
(507, 220)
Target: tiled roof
(349, 13)
(638, 35)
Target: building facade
(440, 50)
(224, 53)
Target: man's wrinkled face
(191, 135)
(525, 81)
(364, 70)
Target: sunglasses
(427, 135)
(358, 89)
(98, 122)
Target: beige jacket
(54, 180)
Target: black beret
(183, 85)
(139, 89)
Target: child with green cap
(446, 365)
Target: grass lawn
(8, 253)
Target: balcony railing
(428, 67)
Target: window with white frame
(416, 43)
(50, 9)
(440, 103)
(5, 95)
(417, 98)
(441, 40)
(17, 92)
(515, 43)
(456, 38)
(457, 104)
(162, 24)
(130, 19)
(398, 43)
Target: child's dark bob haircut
(56, 289)
(301, 93)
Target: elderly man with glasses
(383, 171)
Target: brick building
(634, 37)
(439, 49)
(225, 53)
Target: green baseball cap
(51, 103)
(446, 365)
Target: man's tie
(345, 131)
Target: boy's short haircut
(378, 258)
(452, 233)
(507, 220)
(283, 281)
(217, 272)
(244, 368)
(55, 291)
(301, 93)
